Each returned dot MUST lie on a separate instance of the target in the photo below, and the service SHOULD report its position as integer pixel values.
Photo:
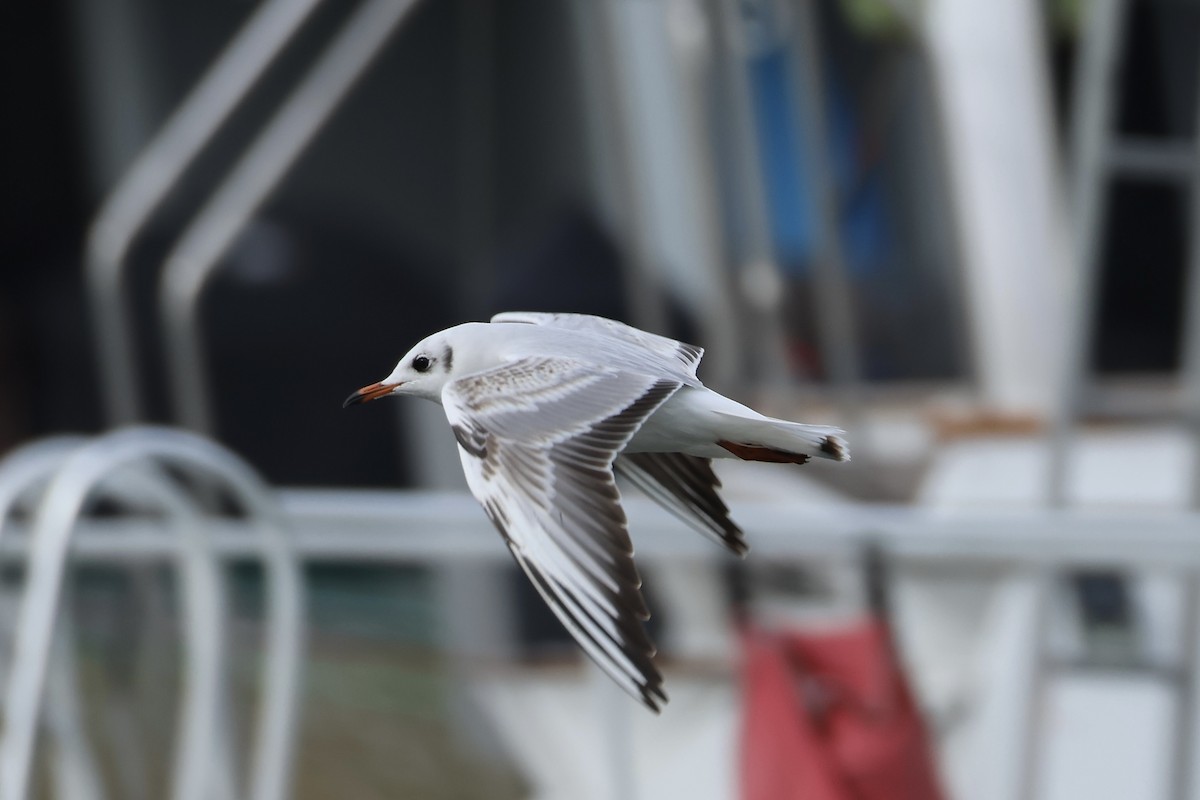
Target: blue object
(788, 179)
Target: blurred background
(962, 230)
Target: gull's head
(422, 372)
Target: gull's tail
(779, 441)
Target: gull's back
(596, 340)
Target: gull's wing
(687, 487)
(687, 354)
(537, 439)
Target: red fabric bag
(829, 716)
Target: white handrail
(404, 527)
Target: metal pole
(1190, 371)
(256, 175)
(151, 178)
(834, 307)
(1183, 766)
(476, 151)
(1093, 108)
(759, 278)
(1044, 580)
(689, 35)
(615, 169)
(1185, 777)
(614, 715)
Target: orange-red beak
(372, 392)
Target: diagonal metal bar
(151, 178)
(1090, 142)
(260, 170)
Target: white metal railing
(440, 528)
(125, 465)
(23, 478)
(430, 529)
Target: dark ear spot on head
(448, 359)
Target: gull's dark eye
(422, 363)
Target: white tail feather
(819, 441)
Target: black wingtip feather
(636, 645)
(687, 487)
(835, 448)
(654, 698)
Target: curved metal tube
(255, 176)
(55, 524)
(23, 473)
(284, 638)
(153, 175)
(27, 471)
(204, 642)
(74, 770)
(28, 468)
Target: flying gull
(545, 408)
